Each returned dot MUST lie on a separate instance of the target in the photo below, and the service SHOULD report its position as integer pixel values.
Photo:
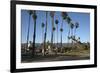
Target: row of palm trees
(72, 26)
(65, 17)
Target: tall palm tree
(45, 35)
(42, 31)
(34, 34)
(30, 13)
(52, 16)
(42, 37)
(54, 34)
(68, 20)
(64, 16)
(61, 30)
(72, 26)
(56, 22)
(76, 26)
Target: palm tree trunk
(57, 37)
(28, 32)
(72, 36)
(42, 35)
(69, 38)
(75, 32)
(45, 35)
(61, 41)
(42, 41)
(61, 35)
(54, 37)
(34, 35)
(52, 33)
(69, 35)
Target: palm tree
(54, 34)
(42, 30)
(64, 16)
(30, 13)
(56, 22)
(68, 20)
(42, 37)
(61, 30)
(45, 35)
(76, 26)
(34, 34)
(52, 16)
(71, 26)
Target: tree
(76, 26)
(68, 20)
(54, 34)
(72, 26)
(61, 30)
(34, 34)
(42, 30)
(30, 13)
(52, 16)
(45, 35)
(64, 16)
(42, 37)
(56, 22)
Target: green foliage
(61, 29)
(56, 21)
(43, 25)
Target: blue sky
(82, 18)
